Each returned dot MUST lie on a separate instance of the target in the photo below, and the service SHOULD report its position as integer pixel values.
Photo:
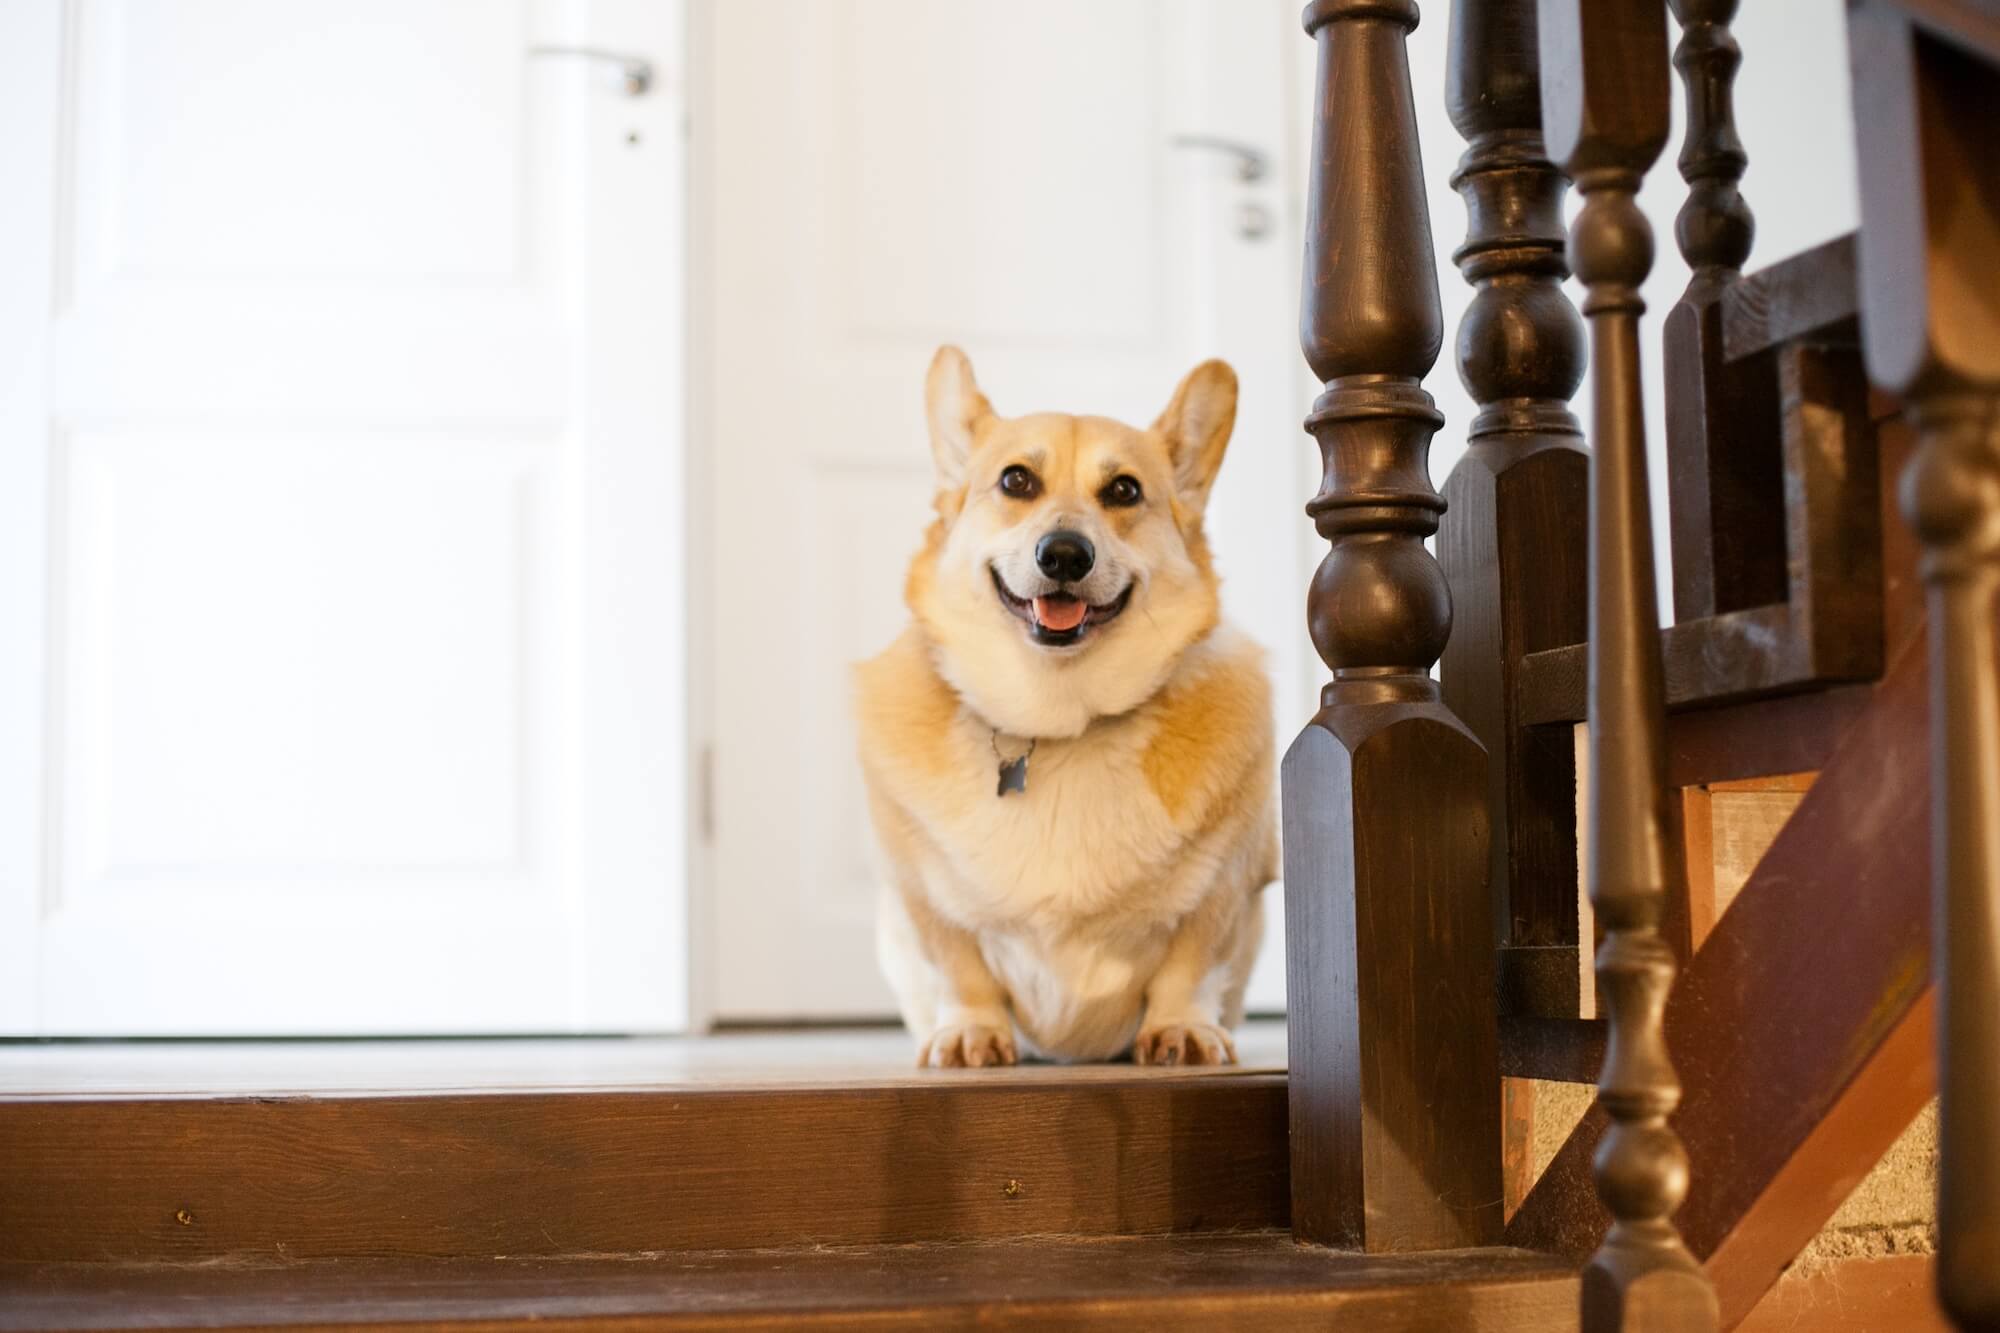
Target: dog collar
(1013, 772)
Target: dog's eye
(1121, 493)
(1020, 483)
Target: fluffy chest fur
(1106, 817)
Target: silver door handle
(1252, 163)
(637, 71)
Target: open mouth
(1058, 619)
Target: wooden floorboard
(1261, 1282)
(185, 1179)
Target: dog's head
(1067, 571)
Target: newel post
(1395, 1106)
(1512, 543)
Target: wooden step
(949, 1156)
(1260, 1281)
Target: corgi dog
(1068, 756)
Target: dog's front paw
(1185, 1044)
(967, 1046)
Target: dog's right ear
(955, 408)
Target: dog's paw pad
(966, 1046)
(1185, 1044)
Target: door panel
(354, 451)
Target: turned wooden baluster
(1510, 544)
(1605, 112)
(1394, 1057)
(1727, 484)
(1714, 226)
(1925, 115)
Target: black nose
(1065, 556)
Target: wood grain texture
(1509, 542)
(1558, 1050)
(1260, 1282)
(1792, 734)
(1608, 118)
(1394, 1071)
(1858, 1296)
(1394, 1066)
(1726, 491)
(1791, 1027)
(1813, 297)
(578, 1173)
(1925, 109)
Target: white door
(341, 519)
(872, 178)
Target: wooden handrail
(1926, 102)
(1394, 1072)
(1607, 120)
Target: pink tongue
(1060, 613)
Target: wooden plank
(1795, 1016)
(1517, 1141)
(1716, 660)
(1259, 1282)
(1975, 24)
(1793, 734)
(1689, 919)
(1811, 296)
(1556, 1050)
(615, 1172)
(1395, 1117)
(1509, 542)
(1855, 1296)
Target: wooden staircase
(1032, 1198)
(1834, 470)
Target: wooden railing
(1394, 1071)
(1606, 121)
(1513, 549)
(1794, 650)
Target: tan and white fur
(1115, 903)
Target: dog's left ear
(1196, 427)
(955, 408)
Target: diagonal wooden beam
(1801, 1028)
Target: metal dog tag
(1013, 775)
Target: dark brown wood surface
(1776, 458)
(1790, 1028)
(1394, 1068)
(1510, 542)
(1812, 297)
(1261, 1282)
(1559, 1050)
(1725, 485)
(602, 1172)
(1604, 105)
(1925, 112)
(1793, 734)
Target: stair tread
(1259, 1280)
(181, 1180)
